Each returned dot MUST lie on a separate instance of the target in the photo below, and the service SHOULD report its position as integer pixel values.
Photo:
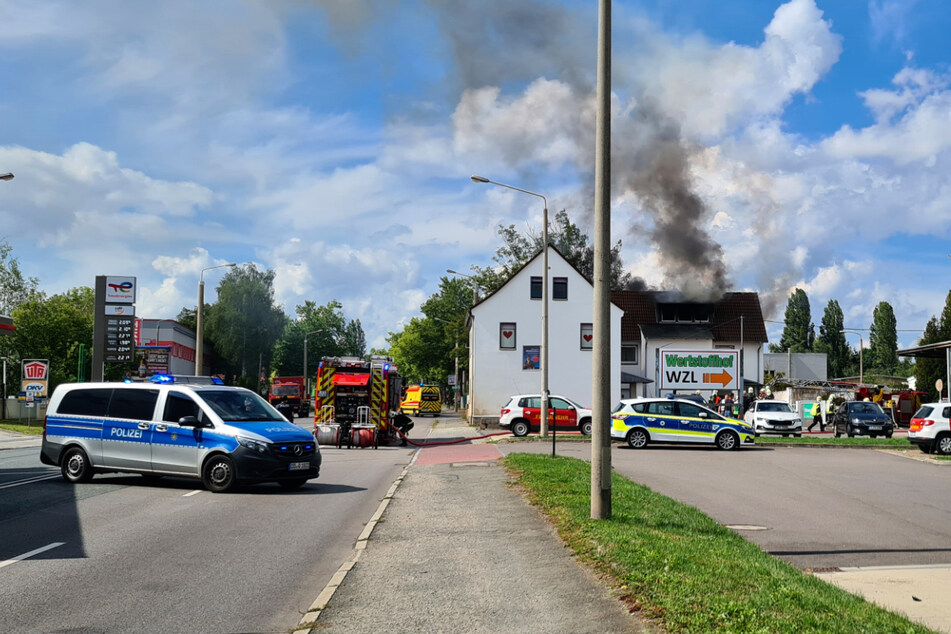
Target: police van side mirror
(190, 421)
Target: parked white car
(773, 417)
(931, 428)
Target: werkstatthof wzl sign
(699, 369)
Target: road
(125, 555)
(815, 508)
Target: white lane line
(16, 483)
(30, 554)
(195, 492)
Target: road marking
(30, 554)
(17, 483)
(195, 492)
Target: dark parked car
(861, 418)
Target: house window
(531, 357)
(587, 336)
(559, 288)
(629, 353)
(536, 288)
(507, 336)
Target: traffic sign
(699, 369)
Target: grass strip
(23, 429)
(681, 568)
(844, 441)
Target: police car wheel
(585, 427)
(75, 466)
(290, 485)
(637, 439)
(728, 441)
(218, 474)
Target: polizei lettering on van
(125, 433)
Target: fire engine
(354, 393)
(900, 404)
(291, 387)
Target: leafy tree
(518, 248)
(53, 329)
(245, 322)
(831, 340)
(883, 339)
(328, 334)
(927, 371)
(14, 288)
(799, 332)
(420, 351)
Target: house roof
(640, 309)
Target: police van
(217, 434)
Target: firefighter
(403, 423)
(285, 409)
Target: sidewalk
(457, 550)
(13, 440)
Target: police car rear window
(88, 402)
(133, 404)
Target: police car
(217, 434)
(640, 421)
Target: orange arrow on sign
(723, 378)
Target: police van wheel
(290, 485)
(637, 439)
(75, 466)
(585, 427)
(218, 474)
(728, 441)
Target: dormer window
(684, 313)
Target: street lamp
(199, 331)
(307, 376)
(475, 285)
(544, 346)
(6, 177)
(861, 369)
(455, 388)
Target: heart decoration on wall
(507, 333)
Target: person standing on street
(818, 416)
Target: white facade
(496, 360)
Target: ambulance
(422, 399)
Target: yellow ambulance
(422, 399)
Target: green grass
(844, 441)
(681, 568)
(35, 428)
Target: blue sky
(333, 142)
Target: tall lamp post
(306, 375)
(544, 346)
(861, 345)
(199, 325)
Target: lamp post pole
(199, 326)
(4, 415)
(861, 345)
(544, 346)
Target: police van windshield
(233, 405)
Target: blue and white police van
(640, 421)
(220, 435)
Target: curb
(309, 621)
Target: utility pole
(601, 357)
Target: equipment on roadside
(357, 397)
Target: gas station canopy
(929, 351)
(6, 326)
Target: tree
(883, 339)
(53, 329)
(420, 351)
(245, 322)
(927, 371)
(14, 288)
(328, 334)
(564, 235)
(831, 340)
(799, 332)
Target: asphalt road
(171, 557)
(815, 508)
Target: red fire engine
(357, 396)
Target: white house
(505, 334)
